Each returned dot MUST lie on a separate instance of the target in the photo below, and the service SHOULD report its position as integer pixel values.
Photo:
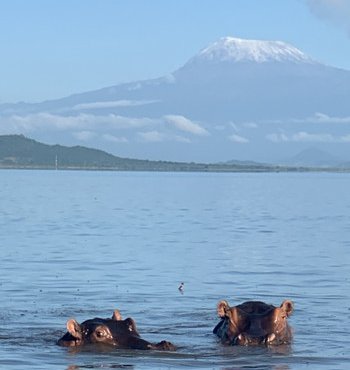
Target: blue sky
(53, 48)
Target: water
(80, 244)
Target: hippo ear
(131, 324)
(74, 328)
(288, 307)
(222, 308)
(117, 316)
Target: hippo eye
(100, 333)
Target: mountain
(243, 99)
(313, 157)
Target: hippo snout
(243, 339)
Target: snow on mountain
(241, 50)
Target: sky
(54, 48)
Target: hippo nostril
(271, 338)
(242, 339)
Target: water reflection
(259, 367)
(284, 349)
(100, 366)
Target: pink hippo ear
(74, 328)
(222, 308)
(117, 316)
(287, 306)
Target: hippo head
(254, 323)
(114, 332)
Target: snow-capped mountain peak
(241, 50)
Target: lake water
(80, 244)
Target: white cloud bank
(84, 135)
(303, 136)
(86, 127)
(81, 122)
(317, 122)
(238, 139)
(184, 124)
(317, 118)
(158, 137)
(151, 136)
(114, 139)
(113, 104)
(324, 118)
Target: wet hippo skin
(114, 332)
(254, 323)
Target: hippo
(114, 332)
(254, 323)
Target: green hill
(18, 151)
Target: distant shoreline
(198, 168)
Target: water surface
(80, 244)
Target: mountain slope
(313, 157)
(244, 99)
(227, 78)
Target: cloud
(84, 135)
(303, 136)
(317, 118)
(157, 137)
(336, 11)
(110, 127)
(151, 136)
(81, 122)
(184, 124)
(251, 125)
(324, 118)
(90, 135)
(114, 139)
(113, 104)
(277, 137)
(42, 121)
(237, 128)
(238, 139)
(321, 118)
